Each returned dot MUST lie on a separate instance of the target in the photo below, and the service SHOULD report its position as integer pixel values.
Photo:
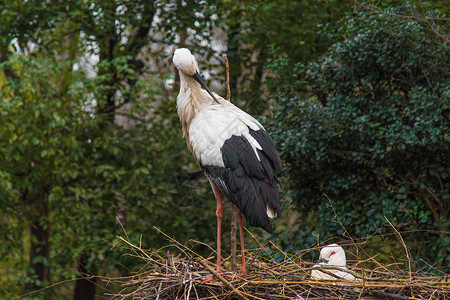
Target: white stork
(233, 150)
(332, 255)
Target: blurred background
(355, 95)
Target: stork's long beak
(321, 260)
(200, 80)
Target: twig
(287, 256)
(267, 252)
(159, 289)
(340, 223)
(170, 260)
(221, 279)
(404, 246)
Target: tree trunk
(38, 272)
(86, 283)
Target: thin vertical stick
(241, 239)
(227, 67)
(234, 212)
(234, 209)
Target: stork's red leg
(241, 238)
(219, 214)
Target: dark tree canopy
(367, 125)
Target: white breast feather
(214, 125)
(318, 275)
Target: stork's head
(185, 61)
(333, 255)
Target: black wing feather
(250, 183)
(268, 146)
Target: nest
(183, 277)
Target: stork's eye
(333, 253)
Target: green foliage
(259, 29)
(368, 125)
(84, 144)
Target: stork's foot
(236, 276)
(207, 280)
(239, 274)
(226, 275)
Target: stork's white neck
(190, 101)
(190, 92)
(191, 97)
(188, 83)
